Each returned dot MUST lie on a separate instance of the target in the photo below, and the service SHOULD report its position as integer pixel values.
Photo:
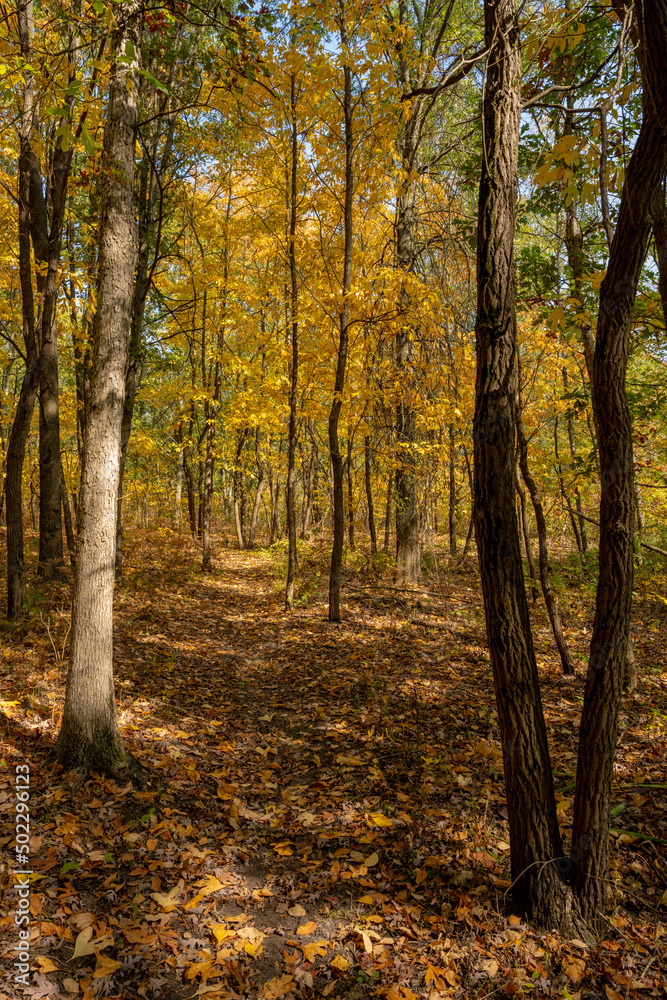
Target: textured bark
(534, 838)
(369, 495)
(89, 737)
(540, 521)
(609, 643)
(293, 335)
(21, 425)
(452, 492)
(343, 334)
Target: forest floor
(323, 814)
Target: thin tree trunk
(179, 487)
(309, 484)
(89, 737)
(568, 502)
(577, 492)
(369, 495)
(292, 433)
(387, 511)
(540, 521)
(239, 490)
(452, 492)
(350, 490)
(659, 221)
(261, 482)
(69, 531)
(526, 537)
(343, 334)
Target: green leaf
(87, 140)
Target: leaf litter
(323, 813)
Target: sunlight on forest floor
(324, 812)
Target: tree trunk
(387, 511)
(239, 490)
(89, 737)
(545, 577)
(611, 627)
(350, 490)
(408, 561)
(179, 488)
(659, 221)
(526, 537)
(292, 433)
(343, 335)
(369, 495)
(565, 496)
(261, 481)
(69, 530)
(452, 492)
(531, 807)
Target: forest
(333, 442)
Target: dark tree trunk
(350, 490)
(89, 737)
(611, 627)
(343, 333)
(452, 492)
(369, 495)
(531, 807)
(564, 494)
(526, 537)
(545, 576)
(659, 221)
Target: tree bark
(452, 492)
(387, 511)
(89, 737)
(293, 334)
(526, 537)
(531, 807)
(611, 627)
(350, 490)
(545, 576)
(343, 334)
(369, 495)
(659, 221)
(261, 482)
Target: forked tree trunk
(611, 627)
(89, 737)
(531, 808)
